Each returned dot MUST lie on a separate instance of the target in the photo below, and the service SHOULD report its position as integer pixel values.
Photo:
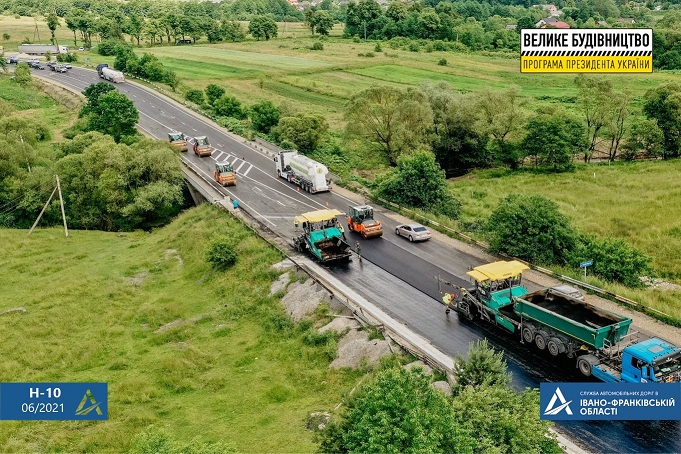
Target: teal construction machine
(322, 236)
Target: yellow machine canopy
(497, 271)
(317, 216)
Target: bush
(414, 46)
(368, 54)
(233, 125)
(317, 46)
(110, 47)
(531, 228)
(221, 254)
(442, 62)
(378, 48)
(229, 106)
(439, 46)
(613, 259)
(195, 96)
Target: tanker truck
(560, 324)
(109, 74)
(302, 171)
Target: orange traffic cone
(298, 188)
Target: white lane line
(239, 168)
(249, 208)
(235, 159)
(219, 158)
(248, 170)
(280, 203)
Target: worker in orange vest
(447, 300)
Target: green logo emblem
(95, 406)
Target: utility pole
(42, 211)
(63, 215)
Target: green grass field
(238, 374)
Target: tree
(304, 130)
(213, 93)
(418, 182)
(3, 64)
(92, 94)
(613, 259)
(71, 20)
(264, 116)
(229, 106)
(360, 18)
(644, 135)
(232, 31)
(484, 367)
(320, 21)
(195, 96)
(531, 228)
(23, 74)
(617, 123)
(664, 105)
(398, 411)
(502, 420)
(594, 96)
(553, 138)
(115, 115)
(134, 26)
(457, 142)
(52, 24)
(501, 116)
(262, 27)
(524, 23)
(390, 119)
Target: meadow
(235, 370)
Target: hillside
(234, 370)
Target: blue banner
(610, 401)
(54, 401)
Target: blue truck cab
(652, 360)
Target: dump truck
(321, 236)
(109, 74)
(178, 140)
(225, 174)
(361, 220)
(202, 147)
(560, 324)
(308, 174)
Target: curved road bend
(398, 276)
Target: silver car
(415, 232)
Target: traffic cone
(327, 204)
(298, 188)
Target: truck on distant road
(561, 324)
(309, 175)
(109, 74)
(321, 236)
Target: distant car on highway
(67, 65)
(415, 232)
(40, 66)
(61, 68)
(13, 60)
(81, 48)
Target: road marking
(248, 170)
(280, 203)
(235, 159)
(219, 156)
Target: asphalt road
(397, 275)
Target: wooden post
(61, 201)
(42, 211)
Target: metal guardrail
(482, 244)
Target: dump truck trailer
(560, 324)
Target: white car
(415, 232)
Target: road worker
(447, 300)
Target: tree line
(112, 178)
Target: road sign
(585, 264)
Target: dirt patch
(303, 299)
(168, 326)
(340, 325)
(173, 254)
(280, 284)
(137, 279)
(661, 284)
(13, 310)
(355, 348)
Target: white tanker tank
(307, 173)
